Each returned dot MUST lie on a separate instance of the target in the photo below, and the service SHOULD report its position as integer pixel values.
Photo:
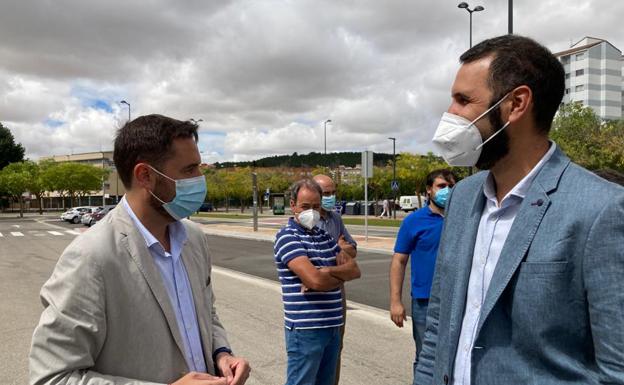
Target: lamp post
(325, 124)
(465, 6)
(510, 20)
(128, 104)
(393, 176)
(196, 121)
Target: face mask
(459, 140)
(309, 218)
(190, 194)
(328, 203)
(440, 198)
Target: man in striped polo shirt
(305, 257)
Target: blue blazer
(554, 311)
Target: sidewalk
(375, 351)
(375, 244)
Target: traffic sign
(394, 185)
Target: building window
(580, 56)
(579, 88)
(567, 76)
(567, 91)
(565, 59)
(580, 72)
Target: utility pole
(510, 23)
(254, 181)
(393, 177)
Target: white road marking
(55, 232)
(1, 235)
(16, 234)
(72, 232)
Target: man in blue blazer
(529, 282)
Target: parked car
(206, 206)
(409, 203)
(98, 215)
(74, 214)
(85, 218)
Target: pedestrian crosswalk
(38, 233)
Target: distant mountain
(313, 159)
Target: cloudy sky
(263, 75)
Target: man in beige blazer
(130, 301)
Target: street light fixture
(393, 176)
(128, 104)
(196, 121)
(325, 124)
(465, 6)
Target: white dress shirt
(494, 227)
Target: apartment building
(594, 76)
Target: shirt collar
(521, 188)
(177, 232)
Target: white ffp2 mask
(459, 140)
(309, 218)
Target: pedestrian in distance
(386, 208)
(528, 280)
(331, 222)
(306, 261)
(131, 300)
(418, 239)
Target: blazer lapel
(527, 221)
(462, 253)
(135, 244)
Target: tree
(10, 152)
(15, 180)
(587, 140)
(74, 179)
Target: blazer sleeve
(72, 328)
(603, 269)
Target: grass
(373, 222)
(224, 215)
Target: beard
(498, 147)
(157, 205)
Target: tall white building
(594, 76)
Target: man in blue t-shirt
(419, 238)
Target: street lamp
(196, 121)
(465, 6)
(393, 176)
(325, 124)
(128, 104)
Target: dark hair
(308, 184)
(518, 60)
(148, 139)
(611, 175)
(444, 173)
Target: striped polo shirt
(312, 309)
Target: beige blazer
(107, 318)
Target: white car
(73, 215)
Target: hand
(346, 247)
(195, 378)
(342, 258)
(234, 369)
(397, 313)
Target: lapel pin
(538, 202)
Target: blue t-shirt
(419, 236)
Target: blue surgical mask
(190, 194)
(440, 198)
(328, 203)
